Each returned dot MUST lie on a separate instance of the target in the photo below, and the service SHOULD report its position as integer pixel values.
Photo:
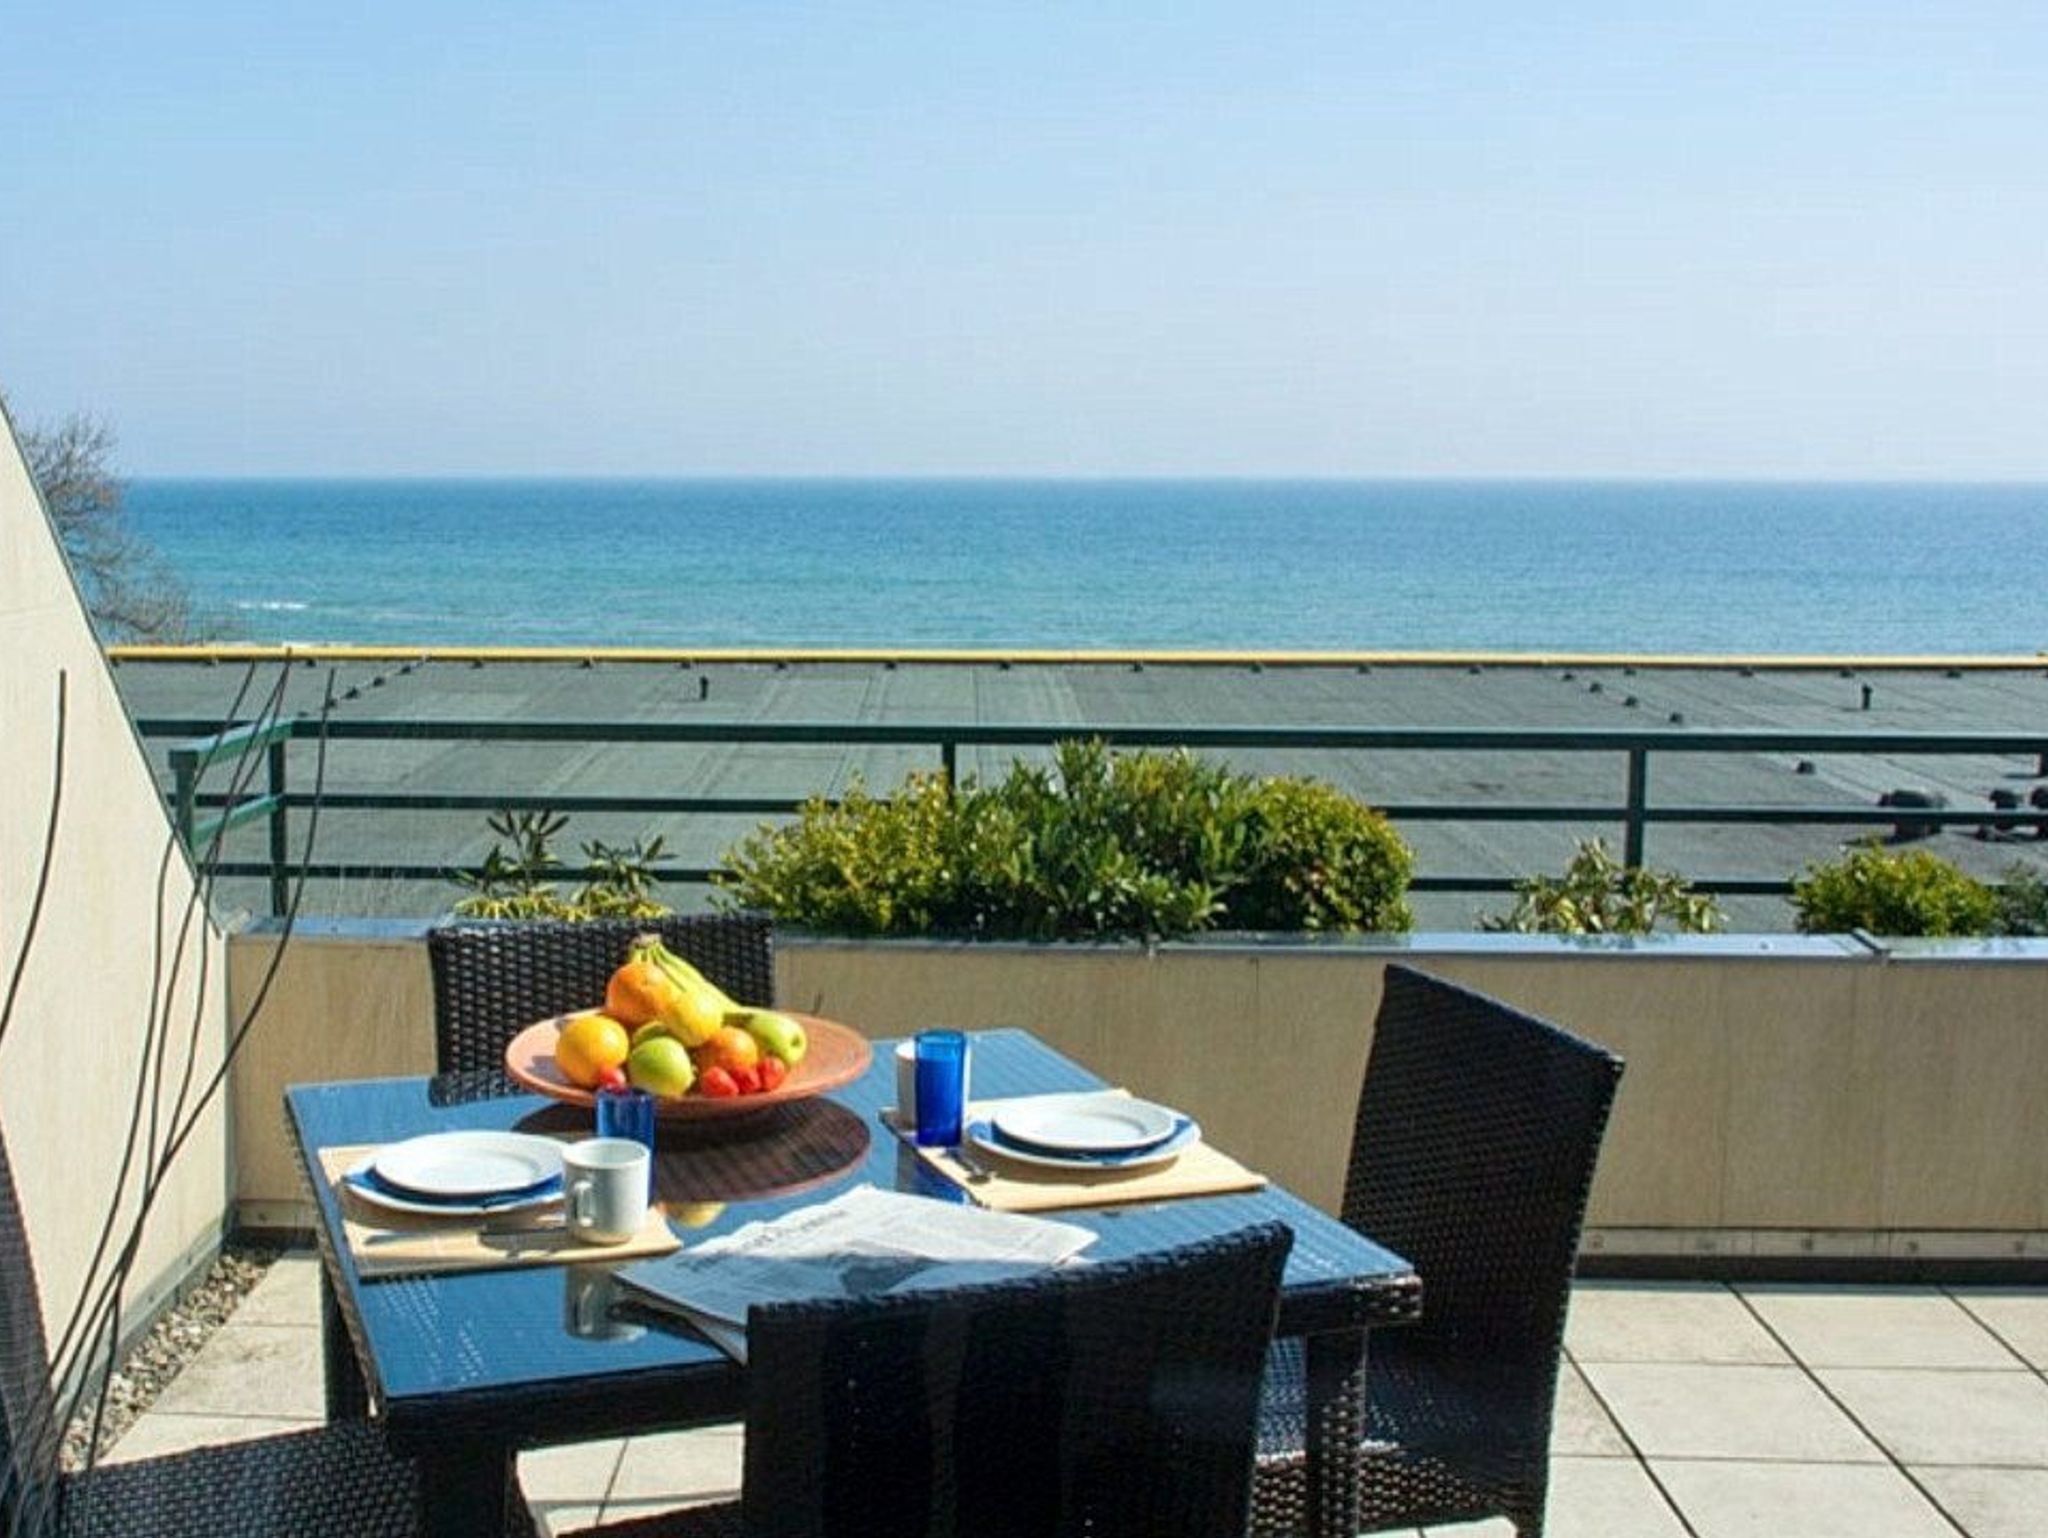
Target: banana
(698, 1008)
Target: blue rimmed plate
(469, 1165)
(366, 1183)
(983, 1135)
(1087, 1123)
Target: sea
(1228, 564)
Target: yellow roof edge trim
(218, 652)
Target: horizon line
(1108, 478)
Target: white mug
(604, 1183)
(906, 1083)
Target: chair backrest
(29, 1432)
(1478, 1130)
(1117, 1400)
(492, 979)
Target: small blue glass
(941, 1087)
(629, 1113)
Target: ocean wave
(273, 605)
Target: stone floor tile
(1608, 1498)
(679, 1468)
(1582, 1426)
(1684, 1410)
(1799, 1500)
(566, 1486)
(2019, 1316)
(158, 1434)
(1930, 1415)
(251, 1369)
(557, 1521)
(1877, 1327)
(1991, 1503)
(288, 1294)
(1665, 1322)
(579, 1471)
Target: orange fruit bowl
(838, 1055)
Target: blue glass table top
(523, 1351)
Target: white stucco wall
(69, 1063)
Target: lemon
(589, 1047)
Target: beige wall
(69, 1064)
(360, 1008)
(1783, 1096)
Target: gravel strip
(172, 1341)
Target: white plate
(1087, 1123)
(988, 1140)
(458, 1165)
(362, 1181)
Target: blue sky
(1126, 238)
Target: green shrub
(1093, 845)
(1319, 860)
(1888, 892)
(867, 866)
(2022, 904)
(1598, 895)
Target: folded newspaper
(864, 1243)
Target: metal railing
(201, 744)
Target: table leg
(466, 1491)
(348, 1397)
(1335, 1369)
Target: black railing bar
(701, 876)
(1436, 811)
(371, 870)
(996, 734)
(526, 801)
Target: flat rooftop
(1966, 695)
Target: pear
(780, 1036)
(661, 1066)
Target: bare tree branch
(131, 593)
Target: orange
(639, 992)
(589, 1047)
(729, 1048)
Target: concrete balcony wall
(1785, 1096)
(73, 1060)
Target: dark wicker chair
(1115, 1400)
(332, 1479)
(490, 979)
(1478, 1129)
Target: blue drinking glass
(941, 1087)
(629, 1113)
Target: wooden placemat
(386, 1243)
(1009, 1186)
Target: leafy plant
(1320, 860)
(1597, 895)
(1097, 844)
(1092, 845)
(1891, 892)
(623, 887)
(863, 866)
(518, 882)
(2022, 904)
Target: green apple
(779, 1035)
(661, 1066)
